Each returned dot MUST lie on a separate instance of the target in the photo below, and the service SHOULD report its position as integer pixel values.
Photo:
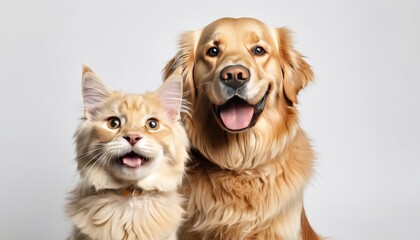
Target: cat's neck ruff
(129, 191)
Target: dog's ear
(296, 71)
(183, 63)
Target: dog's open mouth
(237, 114)
(133, 160)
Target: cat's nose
(132, 138)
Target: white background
(362, 113)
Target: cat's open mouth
(132, 160)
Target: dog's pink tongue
(132, 161)
(237, 116)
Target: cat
(131, 151)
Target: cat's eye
(114, 122)
(152, 124)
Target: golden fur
(247, 183)
(95, 207)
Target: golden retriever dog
(250, 159)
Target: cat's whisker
(96, 147)
(91, 167)
(93, 159)
(109, 162)
(85, 183)
(99, 148)
(98, 159)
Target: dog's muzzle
(236, 114)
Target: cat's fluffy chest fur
(131, 152)
(151, 216)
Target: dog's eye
(213, 52)
(152, 124)
(114, 122)
(258, 51)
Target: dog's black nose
(235, 76)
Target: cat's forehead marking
(131, 102)
(135, 107)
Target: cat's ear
(94, 92)
(170, 95)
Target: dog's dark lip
(258, 109)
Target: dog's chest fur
(263, 203)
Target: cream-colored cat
(131, 150)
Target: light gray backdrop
(362, 113)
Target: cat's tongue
(132, 161)
(237, 115)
